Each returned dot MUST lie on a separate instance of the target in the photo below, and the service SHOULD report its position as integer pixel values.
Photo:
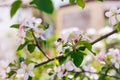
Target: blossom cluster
(28, 24)
(112, 57)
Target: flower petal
(31, 66)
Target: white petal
(114, 8)
(31, 66)
(23, 65)
(60, 48)
(118, 17)
(108, 14)
(26, 76)
(38, 21)
(60, 74)
(20, 71)
(117, 65)
(31, 74)
(69, 66)
(57, 69)
(112, 21)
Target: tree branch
(39, 46)
(103, 37)
(97, 40)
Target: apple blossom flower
(4, 69)
(62, 70)
(101, 55)
(115, 59)
(114, 15)
(21, 34)
(33, 22)
(90, 72)
(26, 70)
(39, 33)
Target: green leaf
(11, 65)
(71, 1)
(31, 47)
(22, 46)
(14, 7)
(29, 78)
(44, 5)
(11, 73)
(62, 60)
(87, 45)
(77, 58)
(81, 3)
(118, 27)
(15, 26)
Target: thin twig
(39, 46)
(97, 40)
(103, 37)
(83, 71)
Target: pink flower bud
(75, 40)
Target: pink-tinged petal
(23, 65)
(31, 66)
(3, 74)
(26, 76)
(30, 73)
(118, 17)
(8, 70)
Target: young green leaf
(77, 58)
(44, 5)
(22, 46)
(31, 47)
(15, 26)
(81, 3)
(11, 73)
(14, 7)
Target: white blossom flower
(62, 70)
(39, 33)
(114, 15)
(115, 53)
(33, 22)
(90, 72)
(26, 70)
(4, 69)
(67, 36)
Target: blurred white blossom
(4, 69)
(62, 70)
(90, 72)
(115, 57)
(25, 71)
